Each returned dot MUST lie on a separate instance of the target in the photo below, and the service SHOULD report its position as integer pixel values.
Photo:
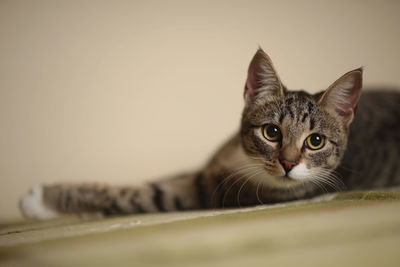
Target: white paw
(32, 205)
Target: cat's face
(295, 135)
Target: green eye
(315, 141)
(272, 133)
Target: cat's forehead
(297, 107)
(297, 112)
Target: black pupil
(315, 139)
(272, 131)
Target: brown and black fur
(247, 170)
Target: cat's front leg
(33, 205)
(50, 201)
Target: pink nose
(287, 164)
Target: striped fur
(248, 170)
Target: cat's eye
(272, 133)
(315, 141)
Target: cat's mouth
(276, 170)
(287, 177)
(275, 175)
(279, 174)
(279, 177)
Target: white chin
(300, 172)
(276, 181)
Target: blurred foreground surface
(352, 229)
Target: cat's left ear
(262, 79)
(341, 98)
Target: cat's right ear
(262, 79)
(341, 98)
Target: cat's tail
(185, 192)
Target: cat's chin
(300, 172)
(277, 181)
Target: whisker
(230, 187)
(330, 179)
(232, 176)
(328, 182)
(248, 179)
(334, 180)
(227, 191)
(257, 195)
(317, 183)
(339, 180)
(339, 184)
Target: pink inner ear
(342, 97)
(355, 95)
(253, 80)
(251, 86)
(346, 113)
(248, 91)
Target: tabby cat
(291, 145)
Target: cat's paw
(32, 205)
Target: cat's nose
(287, 164)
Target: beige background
(123, 91)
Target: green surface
(353, 229)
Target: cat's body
(372, 158)
(291, 145)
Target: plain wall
(125, 91)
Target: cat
(291, 145)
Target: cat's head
(297, 136)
